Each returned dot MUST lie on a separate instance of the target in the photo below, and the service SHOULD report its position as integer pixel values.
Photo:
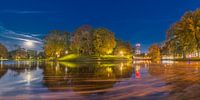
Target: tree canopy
(103, 41)
(82, 40)
(183, 37)
(154, 52)
(56, 43)
(122, 48)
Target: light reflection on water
(101, 80)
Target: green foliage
(85, 41)
(4, 51)
(56, 43)
(183, 37)
(82, 40)
(154, 52)
(123, 48)
(103, 41)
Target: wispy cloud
(6, 33)
(23, 12)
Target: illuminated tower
(137, 49)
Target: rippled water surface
(99, 80)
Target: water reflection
(84, 77)
(99, 80)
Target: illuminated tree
(4, 51)
(56, 43)
(82, 40)
(183, 37)
(103, 41)
(122, 48)
(154, 52)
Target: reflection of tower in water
(137, 71)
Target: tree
(19, 53)
(103, 41)
(56, 43)
(82, 40)
(154, 52)
(183, 37)
(122, 48)
(4, 51)
(194, 27)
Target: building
(138, 49)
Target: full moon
(29, 43)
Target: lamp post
(121, 53)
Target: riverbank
(184, 59)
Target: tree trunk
(184, 55)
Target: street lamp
(57, 55)
(121, 53)
(66, 52)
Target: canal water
(139, 80)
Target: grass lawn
(74, 57)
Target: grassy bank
(187, 59)
(74, 57)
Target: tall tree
(184, 35)
(4, 51)
(154, 52)
(103, 41)
(56, 43)
(194, 26)
(82, 40)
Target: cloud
(23, 12)
(19, 36)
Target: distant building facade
(138, 49)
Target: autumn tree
(103, 41)
(154, 52)
(122, 48)
(183, 37)
(4, 51)
(82, 40)
(56, 43)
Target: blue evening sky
(135, 21)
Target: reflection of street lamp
(1, 63)
(28, 78)
(66, 70)
(121, 67)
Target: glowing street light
(121, 53)
(66, 52)
(57, 54)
